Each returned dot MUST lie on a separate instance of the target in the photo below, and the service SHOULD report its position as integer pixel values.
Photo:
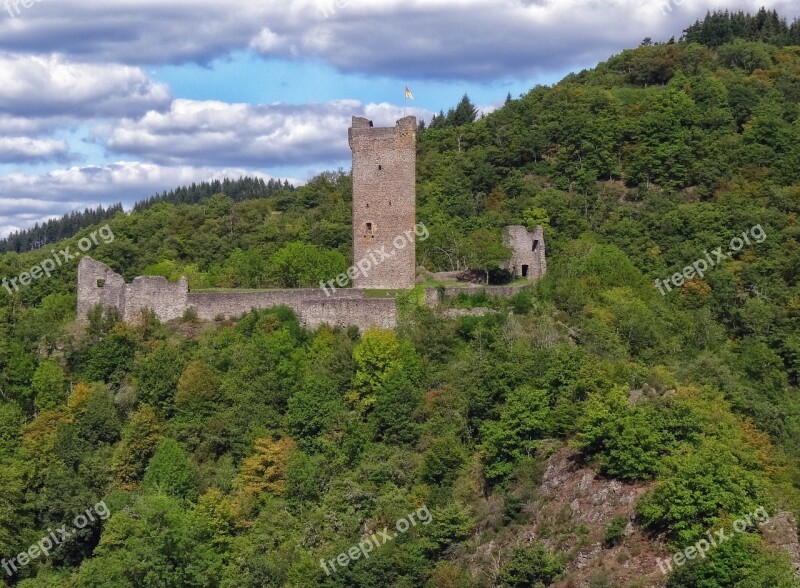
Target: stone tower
(528, 258)
(384, 202)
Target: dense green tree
(529, 566)
(742, 561)
(523, 421)
(484, 250)
(299, 265)
(397, 405)
(701, 484)
(170, 471)
(140, 438)
(49, 385)
(11, 421)
(95, 415)
(156, 376)
(110, 359)
(159, 541)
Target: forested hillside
(240, 454)
(67, 226)
(55, 230)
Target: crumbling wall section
(528, 255)
(98, 284)
(167, 300)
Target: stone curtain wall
(369, 312)
(384, 200)
(210, 305)
(167, 300)
(99, 284)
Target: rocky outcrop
(780, 532)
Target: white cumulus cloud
(48, 86)
(22, 149)
(219, 133)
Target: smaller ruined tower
(384, 202)
(528, 258)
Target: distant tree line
(721, 27)
(56, 229)
(237, 190)
(68, 225)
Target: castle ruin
(384, 200)
(528, 258)
(384, 211)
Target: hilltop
(592, 425)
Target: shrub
(190, 315)
(170, 471)
(698, 486)
(615, 532)
(530, 567)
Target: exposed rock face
(780, 532)
(570, 514)
(575, 499)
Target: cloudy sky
(102, 102)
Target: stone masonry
(384, 210)
(99, 284)
(528, 251)
(384, 201)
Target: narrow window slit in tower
(535, 244)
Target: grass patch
(383, 293)
(234, 290)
